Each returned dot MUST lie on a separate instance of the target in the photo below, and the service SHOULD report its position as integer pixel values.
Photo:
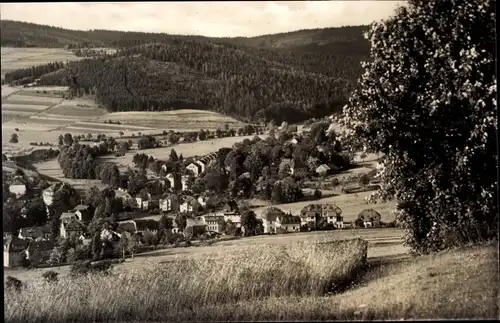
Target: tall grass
(174, 289)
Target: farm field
(392, 248)
(16, 58)
(198, 148)
(41, 114)
(179, 120)
(52, 169)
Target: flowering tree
(427, 102)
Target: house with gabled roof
(71, 227)
(270, 219)
(13, 249)
(288, 223)
(83, 213)
(190, 204)
(34, 233)
(17, 188)
(194, 168)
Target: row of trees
(28, 75)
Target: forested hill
(23, 34)
(286, 77)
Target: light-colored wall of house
(48, 197)
(202, 165)
(186, 207)
(269, 227)
(291, 227)
(193, 168)
(18, 190)
(62, 231)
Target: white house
(194, 168)
(184, 182)
(190, 204)
(203, 165)
(169, 203)
(171, 178)
(270, 219)
(18, 189)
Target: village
(176, 202)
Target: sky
(215, 19)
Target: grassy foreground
(183, 290)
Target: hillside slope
(284, 77)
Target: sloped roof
(127, 226)
(289, 219)
(194, 222)
(81, 207)
(323, 166)
(43, 245)
(272, 213)
(67, 215)
(74, 225)
(142, 225)
(35, 232)
(7, 243)
(369, 215)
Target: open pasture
(351, 205)
(52, 169)
(178, 120)
(220, 250)
(198, 148)
(16, 58)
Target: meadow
(17, 58)
(294, 281)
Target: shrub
(50, 276)
(318, 194)
(12, 283)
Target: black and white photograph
(252, 161)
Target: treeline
(187, 74)
(23, 34)
(80, 162)
(29, 75)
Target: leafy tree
(68, 139)
(427, 101)
(249, 222)
(36, 212)
(14, 138)
(181, 221)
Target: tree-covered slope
(292, 76)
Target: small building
(48, 194)
(308, 214)
(370, 218)
(203, 164)
(270, 220)
(38, 252)
(214, 222)
(194, 168)
(13, 250)
(145, 225)
(190, 204)
(323, 169)
(288, 223)
(123, 195)
(71, 227)
(195, 227)
(184, 182)
(83, 213)
(35, 233)
(233, 218)
(17, 188)
(169, 203)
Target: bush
(50, 276)
(12, 283)
(318, 194)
